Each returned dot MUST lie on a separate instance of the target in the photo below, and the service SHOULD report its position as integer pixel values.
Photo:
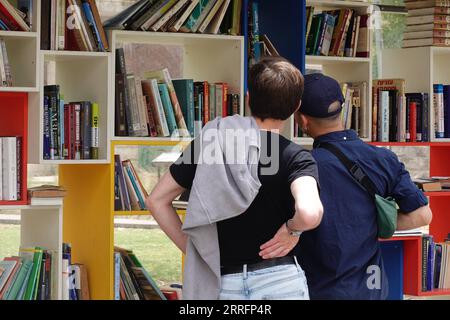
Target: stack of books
(197, 16)
(129, 192)
(16, 19)
(398, 116)
(340, 33)
(34, 275)
(154, 105)
(72, 25)
(427, 24)
(10, 168)
(71, 130)
(433, 184)
(435, 264)
(5, 68)
(441, 107)
(47, 191)
(131, 280)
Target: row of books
(157, 106)
(16, 18)
(71, 130)
(129, 192)
(398, 116)
(72, 25)
(5, 68)
(202, 16)
(10, 168)
(131, 279)
(435, 264)
(427, 24)
(441, 105)
(337, 33)
(34, 275)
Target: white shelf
(19, 89)
(62, 162)
(170, 37)
(18, 34)
(338, 4)
(334, 60)
(151, 139)
(72, 55)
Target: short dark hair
(275, 88)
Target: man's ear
(303, 121)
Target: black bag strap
(355, 170)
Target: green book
(184, 89)
(313, 36)
(34, 255)
(168, 109)
(196, 14)
(20, 281)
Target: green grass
(155, 251)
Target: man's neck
(323, 132)
(270, 124)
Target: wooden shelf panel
(435, 292)
(411, 144)
(438, 194)
(18, 34)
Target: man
(286, 201)
(341, 255)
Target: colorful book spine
(91, 22)
(438, 102)
(412, 122)
(47, 139)
(447, 111)
(116, 276)
(168, 109)
(184, 89)
(384, 116)
(95, 136)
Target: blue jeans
(284, 282)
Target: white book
(9, 151)
(427, 27)
(116, 276)
(60, 24)
(65, 279)
(179, 23)
(212, 13)
(134, 106)
(219, 100)
(384, 99)
(1, 169)
(214, 26)
(426, 34)
(3, 80)
(169, 14)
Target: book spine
(385, 116)
(152, 128)
(211, 14)
(205, 103)
(46, 141)
(438, 101)
(72, 131)
(142, 109)
(86, 130)
(92, 26)
(95, 136)
(116, 276)
(424, 263)
(447, 111)
(9, 169)
(225, 100)
(120, 116)
(67, 137)
(255, 25)
(19, 181)
(160, 108)
(6, 65)
(425, 118)
(412, 122)
(134, 108)
(374, 114)
(168, 15)
(322, 31)
(160, 11)
(168, 109)
(77, 126)
(61, 128)
(181, 20)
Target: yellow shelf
(150, 142)
(141, 213)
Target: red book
(205, 102)
(12, 21)
(151, 120)
(11, 276)
(413, 121)
(225, 100)
(67, 135)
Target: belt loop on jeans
(244, 272)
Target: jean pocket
(292, 295)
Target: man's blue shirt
(340, 256)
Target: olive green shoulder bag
(387, 209)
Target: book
(426, 42)
(428, 185)
(363, 46)
(120, 20)
(426, 34)
(150, 89)
(168, 15)
(168, 108)
(183, 17)
(438, 105)
(184, 89)
(163, 76)
(209, 17)
(427, 27)
(34, 255)
(216, 22)
(156, 11)
(47, 191)
(410, 20)
(14, 20)
(426, 4)
(9, 168)
(191, 22)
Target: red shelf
(435, 292)
(14, 122)
(410, 144)
(438, 194)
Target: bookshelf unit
(41, 226)
(343, 69)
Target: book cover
(9, 168)
(168, 15)
(218, 20)
(184, 89)
(119, 21)
(159, 119)
(34, 255)
(329, 21)
(195, 15)
(95, 134)
(99, 25)
(184, 16)
(363, 45)
(209, 17)
(446, 111)
(438, 104)
(125, 197)
(142, 107)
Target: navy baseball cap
(320, 92)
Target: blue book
(136, 187)
(116, 275)
(91, 21)
(447, 111)
(437, 264)
(438, 98)
(47, 142)
(430, 264)
(168, 108)
(255, 24)
(184, 89)
(3, 26)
